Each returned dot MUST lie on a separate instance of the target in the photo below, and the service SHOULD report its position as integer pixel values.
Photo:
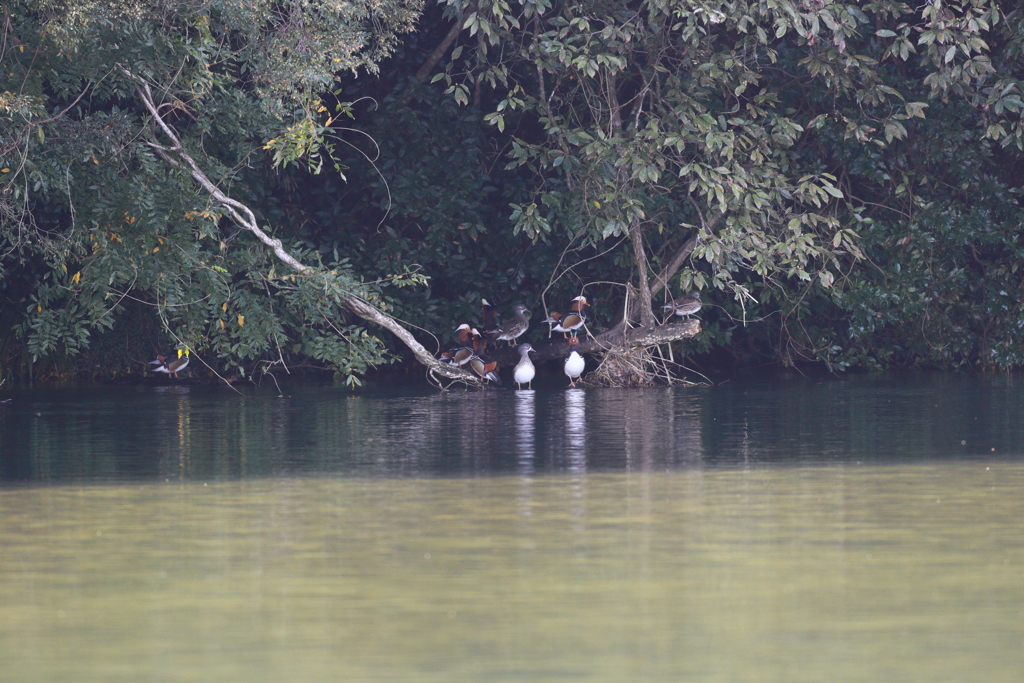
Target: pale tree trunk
(642, 268)
(660, 281)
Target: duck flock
(470, 350)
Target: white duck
(524, 371)
(574, 363)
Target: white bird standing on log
(574, 362)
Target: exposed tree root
(622, 366)
(634, 366)
(634, 337)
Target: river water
(783, 530)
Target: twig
(176, 155)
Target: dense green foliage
(94, 215)
(850, 171)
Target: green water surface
(863, 530)
(903, 573)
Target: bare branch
(660, 280)
(176, 155)
(438, 53)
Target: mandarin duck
(487, 311)
(460, 354)
(172, 368)
(569, 322)
(524, 371)
(487, 371)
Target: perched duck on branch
(461, 353)
(514, 328)
(684, 305)
(487, 313)
(569, 322)
(466, 354)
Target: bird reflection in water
(575, 429)
(526, 412)
(575, 447)
(179, 389)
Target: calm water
(867, 529)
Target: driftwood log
(634, 337)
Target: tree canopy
(839, 178)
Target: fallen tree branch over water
(176, 155)
(637, 337)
